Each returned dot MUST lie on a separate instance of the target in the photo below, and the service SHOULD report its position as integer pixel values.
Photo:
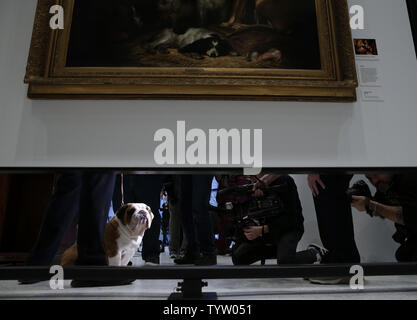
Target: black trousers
(407, 252)
(83, 194)
(284, 250)
(194, 196)
(334, 218)
(143, 189)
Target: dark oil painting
(272, 34)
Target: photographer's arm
(254, 232)
(394, 213)
(390, 212)
(266, 180)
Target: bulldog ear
(152, 216)
(122, 213)
(130, 211)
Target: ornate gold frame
(48, 77)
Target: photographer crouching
(396, 200)
(273, 225)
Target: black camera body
(360, 189)
(253, 212)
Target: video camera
(359, 188)
(254, 211)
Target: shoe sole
(345, 281)
(95, 284)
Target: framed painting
(412, 12)
(193, 49)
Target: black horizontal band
(205, 170)
(212, 272)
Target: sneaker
(330, 280)
(31, 281)
(320, 251)
(206, 260)
(188, 258)
(152, 261)
(99, 283)
(173, 254)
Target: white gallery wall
(120, 133)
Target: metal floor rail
(192, 285)
(211, 272)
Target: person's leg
(407, 252)
(287, 247)
(96, 195)
(200, 203)
(250, 252)
(62, 209)
(184, 242)
(403, 253)
(287, 250)
(174, 227)
(223, 244)
(117, 194)
(165, 227)
(193, 201)
(146, 189)
(414, 252)
(186, 208)
(334, 218)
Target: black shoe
(152, 261)
(206, 260)
(99, 283)
(173, 254)
(31, 281)
(188, 258)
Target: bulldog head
(137, 217)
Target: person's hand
(359, 203)
(313, 181)
(264, 182)
(257, 188)
(252, 233)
